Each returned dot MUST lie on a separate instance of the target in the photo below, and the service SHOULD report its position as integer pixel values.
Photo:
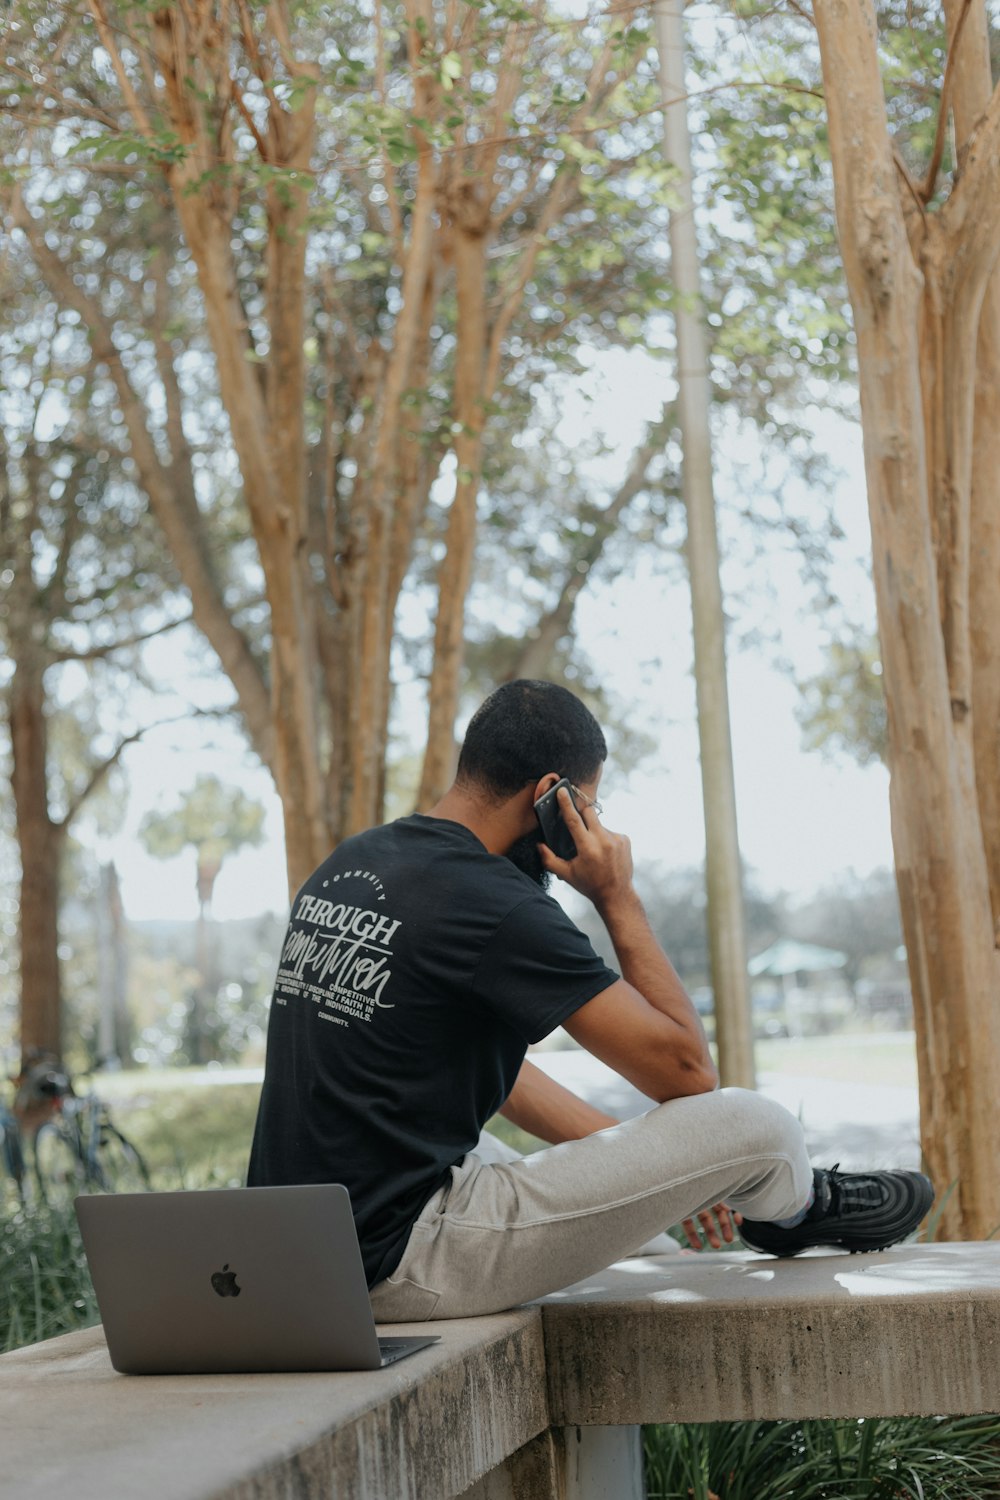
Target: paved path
(858, 1125)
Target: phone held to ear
(550, 821)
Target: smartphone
(550, 821)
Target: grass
(881, 1458)
(198, 1135)
(194, 1137)
(191, 1137)
(45, 1287)
(880, 1060)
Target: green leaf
(450, 70)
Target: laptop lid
(230, 1280)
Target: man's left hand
(717, 1224)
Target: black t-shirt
(416, 969)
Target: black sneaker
(853, 1210)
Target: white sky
(802, 820)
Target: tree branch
(257, 58)
(170, 493)
(972, 213)
(904, 172)
(249, 122)
(554, 206)
(535, 657)
(56, 587)
(101, 770)
(911, 204)
(509, 73)
(135, 105)
(180, 451)
(388, 170)
(98, 653)
(930, 182)
(278, 22)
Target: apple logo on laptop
(224, 1282)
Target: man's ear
(546, 784)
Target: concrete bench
(544, 1401)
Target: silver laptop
(233, 1280)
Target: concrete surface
(570, 1463)
(724, 1336)
(734, 1336)
(426, 1427)
(509, 1407)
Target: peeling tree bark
(971, 95)
(918, 322)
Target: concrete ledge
(428, 1427)
(570, 1463)
(733, 1337)
(716, 1337)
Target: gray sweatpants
(509, 1228)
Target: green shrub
(45, 1286)
(881, 1458)
(192, 1137)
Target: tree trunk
(467, 207)
(727, 944)
(455, 573)
(917, 329)
(378, 603)
(40, 843)
(201, 991)
(266, 418)
(984, 617)
(107, 1042)
(119, 967)
(114, 1031)
(973, 89)
(338, 537)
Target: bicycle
(79, 1148)
(12, 1151)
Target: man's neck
(497, 825)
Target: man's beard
(526, 856)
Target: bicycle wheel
(119, 1165)
(58, 1169)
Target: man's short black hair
(524, 730)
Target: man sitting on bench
(421, 960)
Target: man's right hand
(644, 1026)
(602, 869)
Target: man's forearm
(544, 1108)
(645, 965)
(644, 1026)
